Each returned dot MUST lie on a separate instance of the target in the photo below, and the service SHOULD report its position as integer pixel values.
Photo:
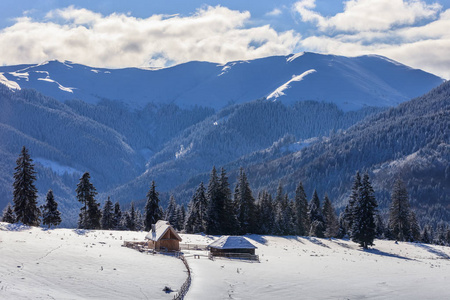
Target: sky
(118, 34)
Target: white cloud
(215, 34)
(274, 13)
(364, 15)
(392, 29)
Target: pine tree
(90, 213)
(117, 218)
(228, 218)
(50, 214)
(302, 223)
(171, 212)
(315, 217)
(130, 218)
(380, 227)
(364, 229)
(399, 212)
(246, 208)
(25, 192)
(266, 216)
(8, 215)
(139, 221)
(348, 211)
(215, 205)
(107, 221)
(330, 219)
(427, 235)
(196, 216)
(153, 211)
(414, 230)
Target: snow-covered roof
(161, 227)
(232, 242)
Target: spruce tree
(228, 218)
(171, 212)
(107, 221)
(153, 211)
(399, 212)
(130, 218)
(90, 214)
(246, 208)
(414, 230)
(8, 215)
(25, 192)
(302, 223)
(315, 217)
(266, 216)
(50, 213)
(330, 219)
(117, 217)
(196, 216)
(348, 211)
(364, 229)
(215, 205)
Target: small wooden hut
(162, 236)
(232, 246)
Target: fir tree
(330, 219)
(8, 215)
(380, 227)
(25, 192)
(399, 212)
(107, 221)
(427, 235)
(414, 230)
(139, 221)
(171, 212)
(315, 217)
(302, 223)
(266, 216)
(246, 208)
(130, 218)
(364, 229)
(348, 211)
(50, 213)
(117, 217)
(196, 216)
(90, 214)
(215, 205)
(153, 211)
(228, 218)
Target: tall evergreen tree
(348, 211)
(364, 229)
(25, 192)
(107, 221)
(399, 212)
(215, 205)
(196, 215)
(90, 214)
(414, 231)
(50, 213)
(171, 212)
(266, 216)
(117, 217)
(153, 211)
(246, 208)
(8, 215)
(302, 223)
(330, 220)
(315, 216)
(228, 218)
(130, 218)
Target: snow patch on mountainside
(280, 90)
(294, 56)
(62, 88)
(56, 167)
(10, 84)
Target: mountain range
(310, 117)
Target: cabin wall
(218, 251)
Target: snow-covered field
(67, 264)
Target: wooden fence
(193, 247)
(186, 285)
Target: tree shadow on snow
(316, 241)
(382, 253)
(15, 227)
(81, 231)
(257, 238)
(434, 251)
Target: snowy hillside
(351, 83)
(72, 264)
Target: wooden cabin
(232, 246)
(162, 237)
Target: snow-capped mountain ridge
(351, 83)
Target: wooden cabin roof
(161, 227)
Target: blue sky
(161, 33)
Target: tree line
(215, 209)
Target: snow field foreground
(77, 264)
(312, 268)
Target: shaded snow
(56, 167)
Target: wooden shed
(162, 236)
(232, 246)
